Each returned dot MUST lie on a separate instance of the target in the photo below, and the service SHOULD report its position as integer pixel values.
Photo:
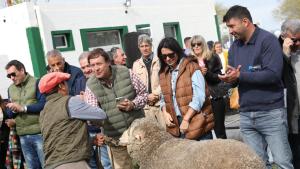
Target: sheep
(153, 148)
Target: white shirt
(222, 57)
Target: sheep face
(144, 137)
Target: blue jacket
(260, 81)
(77, 81)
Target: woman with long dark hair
(183, 93)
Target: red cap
(50, 80)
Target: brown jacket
(184, 95)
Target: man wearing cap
(57, 63)
(63, 124)
(26, 102)
(121, 94)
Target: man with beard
(255, 65)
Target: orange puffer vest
(184, 95)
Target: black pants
(3, 147)
(294, 140)
(219, 109)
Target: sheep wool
(154, 148)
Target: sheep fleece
(159, 150)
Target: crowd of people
(65, 119)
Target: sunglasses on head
(11, 74)
(194, 44)
(170, 55)
(295, 40)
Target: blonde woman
(223, 55)
(211, 66)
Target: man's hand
(99, 139)
(10, 122)
(82, 95)
(286, 46)
(184, 126)
(125, 105)
(231, 75)
(152, 99)
(15, 107)
(168, 119)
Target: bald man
(57, 63)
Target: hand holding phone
(120, 99)
(124, 104)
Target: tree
(288, 9)
(221, 11)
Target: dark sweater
(260, 83)
(77, 81)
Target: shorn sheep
(154, 148)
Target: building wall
(13, 39)
(194, 17)
(13, 23)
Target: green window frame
(84, 34)
(68, 36)
(141, 26)
(176, 25)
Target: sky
(261, 11)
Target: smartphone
(120, 99)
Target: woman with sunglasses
(183, 90)
(210, 66)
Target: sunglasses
(13, 74)
(170, 55)
(295, 40)
(194, 44)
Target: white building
(29, 30)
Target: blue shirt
(79, 109)
(260, 82)
(198, 86)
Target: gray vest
(117, 121)
(65, 140)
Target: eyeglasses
(295, 40)
(194, 44)
(13, 74)
(170, 55)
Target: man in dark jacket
(290, 40)
(57, 63)
(256, 64)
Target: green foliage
(221, 11)
(288, 9)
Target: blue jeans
(260, 129)
(105, 161)
(105, 158)
(32, 148)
